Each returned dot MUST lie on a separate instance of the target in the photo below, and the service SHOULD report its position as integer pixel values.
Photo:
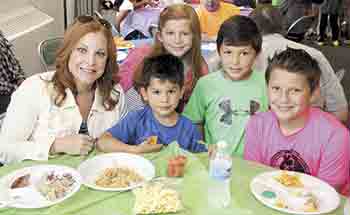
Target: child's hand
(148, 146)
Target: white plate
(30, 197)
(92, 168)
(327, 196)
(121, 55)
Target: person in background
(212, 13)
(66, 110)
(331, 9)
(223, 101)
(179, 35)
(134, 24)
(158, 123)
(244, 3)
(330, 95)
(292, 10)
(293, 135)
(11, 73)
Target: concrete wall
(25, 47)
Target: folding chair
(297, 30)
(47, 50)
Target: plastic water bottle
(219, 195)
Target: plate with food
(123, 44)
(38, 186)
(116, 171)
(161, 195)
(295, 193)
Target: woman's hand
(76, 144)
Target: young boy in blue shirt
(223, 101)
(158, 123)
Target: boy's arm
(107, 143)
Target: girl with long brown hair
(178, 34)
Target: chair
(47, 50)
(297, 29)
(114, 30)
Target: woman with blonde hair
(74, 105)
(178, 34)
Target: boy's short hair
(296, 61)
(164, 67)
(239, 31)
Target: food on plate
(156, 198)
(176, 166)
(55, 186)
(20, 182)
(122, 44)
(302, 201)
(118, 177)
(289, 180)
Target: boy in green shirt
(223, 101)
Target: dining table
(193, 190)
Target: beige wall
(26, 46)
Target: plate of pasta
(116, 171)
(38, 186)
(294, 193)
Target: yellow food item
(156, 198)
(122, 44)
(311, 205)
(280, 203)
(289, 180)
(118, 177)
(153, 140)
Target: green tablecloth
(194, 192)
(276, 2)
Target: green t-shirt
(224, 106)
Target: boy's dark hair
(239, 31)
(165, 67)
(296, 61)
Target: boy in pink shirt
(293, 135)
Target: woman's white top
(33, 121)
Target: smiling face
(163, 97)
(237, 61)
(176, 37)
(88, 59)
(289, 96)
